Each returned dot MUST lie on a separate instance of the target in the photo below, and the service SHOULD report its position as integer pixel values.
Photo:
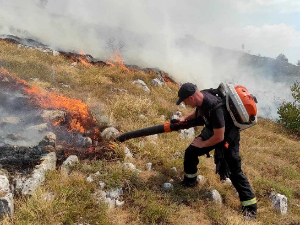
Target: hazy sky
(149, 31)
(265, 27)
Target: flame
(83, 60)
(78, 113)
(76, 108)
(117, 59)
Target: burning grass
(270, 155)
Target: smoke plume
(148, 34)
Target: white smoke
(150, 34)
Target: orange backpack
(240, 104)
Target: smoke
(149, 34)
(20, 123)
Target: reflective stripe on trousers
(249, 202)
(190, 175)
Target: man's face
(190, 101)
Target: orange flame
(78, 112)
(117, 59)
(83, 60)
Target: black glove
(221, 165)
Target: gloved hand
(221, 165)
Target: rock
(71, 160)
(55, 53)
(18, 183)
(65, 86)
(168, 187)
(215, 196)
(110, 202)
(129, 166)
(91, 178)
(127, 153)
(178, 113)
(102, 185)
(148, 166)
(142, 117)
(87, 141)
(157, 83)
(187, 133)
(174, 169)
(119, 203)
(54, 115)
(142, 84)
(200, 178)
(49, 139)
(6, 197)
(279, 203)
(38, 175)
(109, 133)
(73, 64)
(175, 117)
(114, 194)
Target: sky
(148, 32)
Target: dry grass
(271, 156)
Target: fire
(79, 117)
(83, 60)
(117, 59)
(76, 108)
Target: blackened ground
(104, 151)
(20, 159)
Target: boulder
(280, 203)
(142, 84)
(109, 133)
(6, 197)
(38, 175)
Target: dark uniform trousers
(237, 177)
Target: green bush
(289, 112)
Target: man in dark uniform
(218, 128)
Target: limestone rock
(109, 133)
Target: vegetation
(289, 112)
(271, 156)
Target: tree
(298, 63)
(282, 58)
(289, 113)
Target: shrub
(289, 112)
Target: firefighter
(219, 133)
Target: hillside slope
(271, 157)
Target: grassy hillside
(271, 157)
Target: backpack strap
(231, 136)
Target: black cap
(185, 91)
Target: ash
(20, 159)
